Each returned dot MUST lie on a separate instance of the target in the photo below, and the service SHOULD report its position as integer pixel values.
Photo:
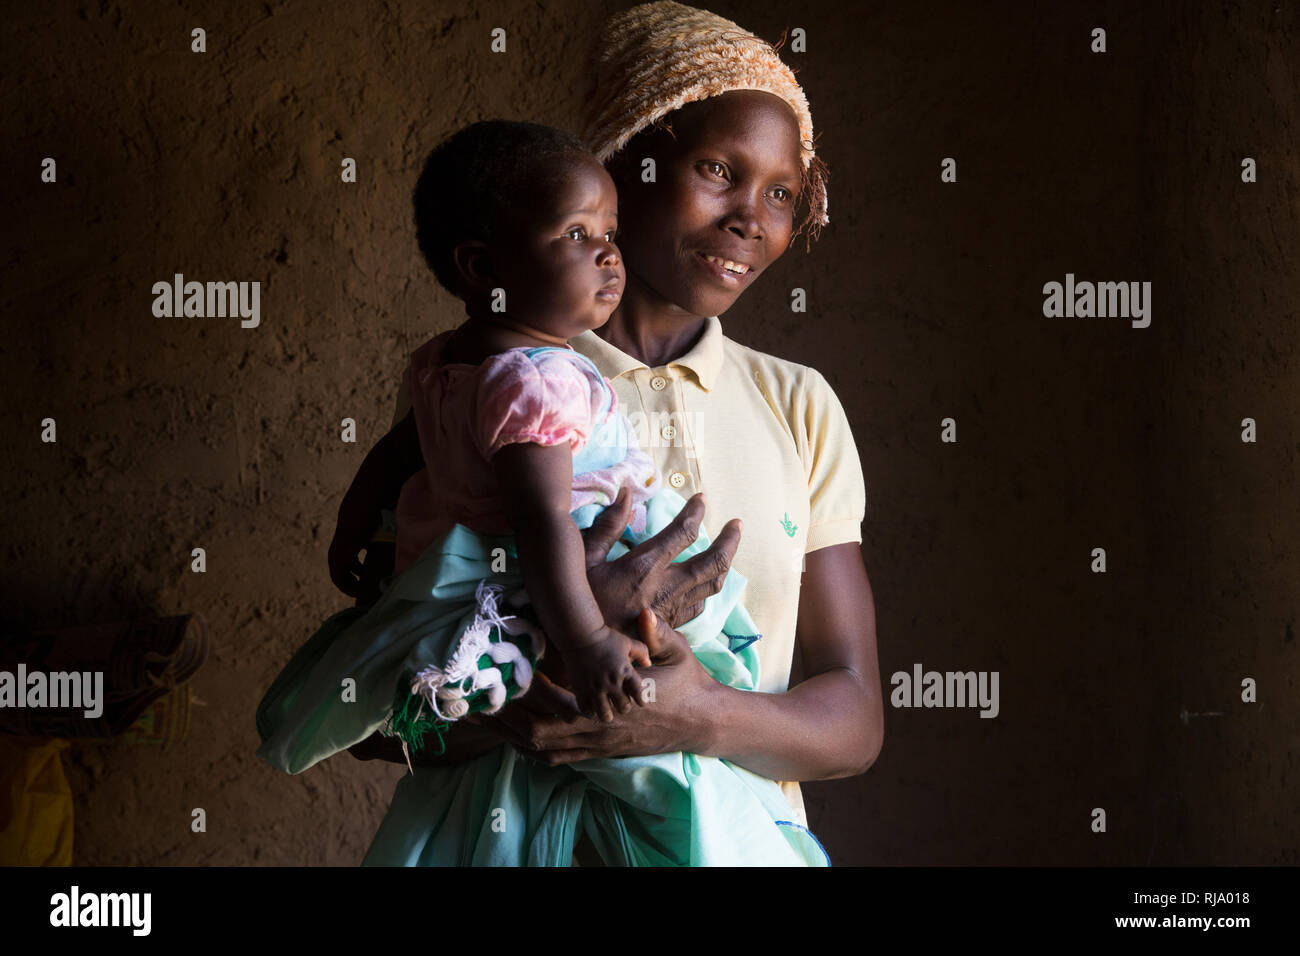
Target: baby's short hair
(474, 179)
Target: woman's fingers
(546, 697)
(694, 579)
(666, 645)
(714, 561)
(687, 614)
(673, 538)
(704, 574)
(607, 528)
(514, 724)
(556, 758)
(505, 727)
(531, 721)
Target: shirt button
(676, 479)
(669, 432)
(658, 383)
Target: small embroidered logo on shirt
(738, 642)
(789, 526)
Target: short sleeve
(544, 400)
(836, 490)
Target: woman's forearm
(832, 724)
(829, 726)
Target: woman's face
(725, 191)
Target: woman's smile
(732, 273)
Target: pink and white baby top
(466, 413)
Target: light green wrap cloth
(501, 809)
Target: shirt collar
(703, 361)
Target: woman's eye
(716, 168)
(782, 194)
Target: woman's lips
(717, 269)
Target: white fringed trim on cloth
(442, 687)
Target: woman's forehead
(754, 122)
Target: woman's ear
(474, 266)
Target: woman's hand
(676, 717)
(470, 738)
(647, 576)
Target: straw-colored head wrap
(656, 57)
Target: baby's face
(560, 268)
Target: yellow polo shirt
(768, 442)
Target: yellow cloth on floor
(35, 803)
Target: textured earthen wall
(925, 302)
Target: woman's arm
(830, 725)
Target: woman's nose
(743, 221)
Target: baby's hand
(601, 674)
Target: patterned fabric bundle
(484, 671)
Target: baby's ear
(474, 265)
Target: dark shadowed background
(924, 302)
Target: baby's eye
(582, 233)
(611, 235)
(715, 167)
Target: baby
(517, 429)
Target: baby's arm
(537, 480)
